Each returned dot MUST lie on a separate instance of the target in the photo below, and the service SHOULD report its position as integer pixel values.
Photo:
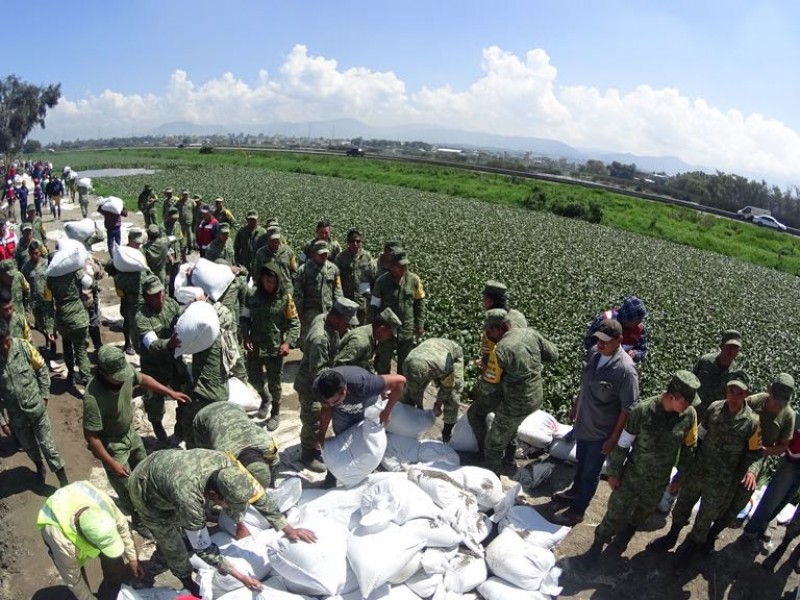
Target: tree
(31, 147)
(23, 106)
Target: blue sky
(690, 79)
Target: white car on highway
(768, 221)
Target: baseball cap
(205, 208)
(388, 317)
(494, 288)
(100, 529)
(220, 200)
(495, 317)
(740, 379)
(274, 233)
(686, 384)
(251, 214)
(234, 485)
(400, 257)
(732, 337)
(320, 247)
(134, 233)
(152, 285)
(783, 388)
(609, 329)
(27, 227)
(153, 230)
(111, 361)
(347, 309)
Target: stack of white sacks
(413, 531)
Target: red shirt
(206, 232)
(7, 245)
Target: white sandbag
(483, 483)
(378, 558)
(424, 584)
(535, 474)
(80, 230)
(286, 495)
(562, 429)
(394, 501)
(70, 257)
(465, 573)
(437, 560)
(533, 527)
(111, 204)
(402, 452)
(537, 429)
(188, 294)
(85, 183)
(435, 533)
(243, 394)
(410, 421)
(126, 592)
(212, 278)
(272, 589)
(786, 514)
(752, 504)
(318, 569)
(434, 452)
(484, 528)
(128, 259)
(495, 588)
(522, 564)
(339, 504)
(563, 449)
(249, 556)
(462, 439)
(197, 328)
(355, 453)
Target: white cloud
(516, 95)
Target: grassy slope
(681, 225)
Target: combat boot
(713, 534)
(61, 474)
(274, 417)
(685, 556)
(623, 538)
(263, 410)
(41, 473)
(510, 454)
(447, 432)
(190, 586)
(590, 557)
(666, 542)
(312, 460)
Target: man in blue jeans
(609, 390)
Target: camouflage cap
(320, 247)
(135, 234)
(225, 228)
(392, 245)
(152, 285)
(197, 197)
(111, 361)
(732, 337)
(387, 317)
(252, 214)
(173, 211)
(184, 192)
(153, 230)
(494, 288)
(609, 329)
(8, 266)
(219, 200)
(739, 379)
(234, 485)
(400, 257)
(347, 309)
(686, 384)
(27, 227)
(168, 190)
(782, 388)
(31, 208)
(274, 233)
(496, 317)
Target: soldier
(402, 291)
(319, 350)
(169, 202)
(129, 289)
(384, 261)
(660, 431)
(170, 489)
(39, 232)
(147, 204)
(156, 251)
(438, 361)
(357, 348)
(277, 252)
(72, 320)
(244, 245)
(90, 294)
(730, 444)
(35, 273)
(17, 323)
(221, 247)
(21, 251)
(108, 418)
(155, 325)
(520, 354)
(609, 390)
(317, 287)
(222, 214)
(356, 273)
(186, 219)
(270, 329)
(713, 368)
(206, 230)
(17, 284)
(323, 235)
(24, 391)
(80, 522)
(171, 228)
(226, 427)
(197, 217)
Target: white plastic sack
(243, 394)
(752, 504)
(272, 589)
(402, 452)
(425, 584)
(212, 278)
(462, 439)
(188, 294)
(434, 452)
(285, 496)
(465, 573)
(524, 565)
(533, 527)
(70, 256)
(197, 328)
(482, 482)
(126, 592)
(338, 504)
(80, 230)
(128, 260)
(85, 183)
(495, 588)
(394, 501)
(410, 421)
(435, 533)
(563, 449)
(357, 452)
(318, 569)
(248, 556)
(537, 429)
(378, 558)
(111, 204)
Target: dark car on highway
(355, 152)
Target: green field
(561, 271)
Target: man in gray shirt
(609, 390)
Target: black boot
(590, 557)
(447, 431)
(330, 481)
(190, 586)
(61, 474)
(263, 410)
(713, 534)
(41, 473)
(509, 456)
(97, 341)
(666, 542)
(312, 459)
(685, 556)
(623, 538)
(274, 418)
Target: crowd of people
(353, 316)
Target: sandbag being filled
(197, 328)
(410, 421)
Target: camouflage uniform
(226, 427)
(42, 308)
(355, 272)
(157, 360)
(24, 385)
(168, 490)
(244, 246)
(520, 354)
(406, 298)
(713, 379)
(186, 223)
(217, 250)
(319, 350)
(83, 201)
(268, 321)
(315, 291)
(155, 253)
(334, 247)
(223, 215)
(357, 349)
(109, 414)
(439, 361)
(20, 289)
(233, 297)
(659, 437)
(39, 233)
(169, 202)
(72, 320)
(731, 444)
(147, 204)
(284, 258)
(129, 290)
(175, 254)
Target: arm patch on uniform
(419, 292)
(37, 362)
(626, 439)
(692, 433)
(291, 309)
(754, 443)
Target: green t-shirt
(774, 428)
(106, 412)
